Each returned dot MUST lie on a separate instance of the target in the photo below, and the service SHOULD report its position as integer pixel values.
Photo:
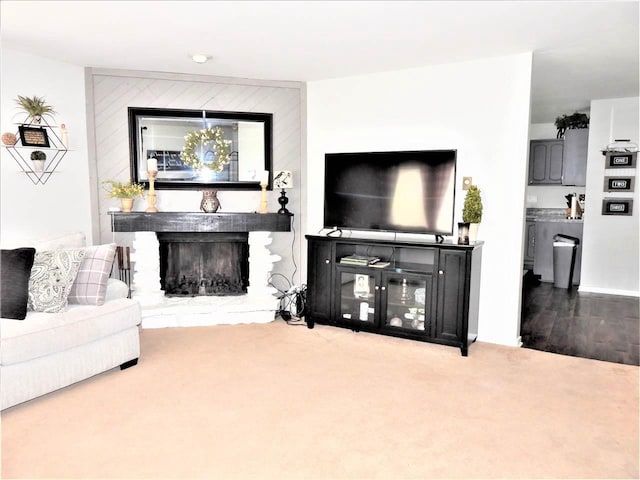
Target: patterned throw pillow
(90, 285)
(52, 275)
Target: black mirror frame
(134, 112)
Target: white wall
(63, 203)
(610, 252)
(480, 108)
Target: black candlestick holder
(283, 200)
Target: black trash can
(564, 259)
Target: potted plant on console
(472, 211)
(126, 192)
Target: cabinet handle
(326, 261)
(384, 288)
(441, 272)
(377, 287)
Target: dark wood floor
(602, 327)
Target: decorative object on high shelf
(264, 181)
(152, 171)
(36, 107)
(621, 153)
(64, 135)
(38, 159)
(577, 120)
(472, 211)
(9, 138)
(126, 192)
(33, 136)
(209, 202)
(206, 148)
(283, 179)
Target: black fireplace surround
(204, 263)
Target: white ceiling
(582, 49)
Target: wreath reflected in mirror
(206, 148)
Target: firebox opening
(193, 264)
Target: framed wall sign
(619, 184)
(621, 159)
(33, 136)
(617, 206)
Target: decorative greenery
(472, 210)
(577, 120)
(38, 155)
(35, 106)
(202, 138)
(125, 190)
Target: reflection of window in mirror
(251, 143)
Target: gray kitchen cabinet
(543, 260)
(545, 162)
(530, 244)
(574, 161)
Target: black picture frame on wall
(33, 136)
(159, 133)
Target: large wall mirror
(197, 149)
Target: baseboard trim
(609, 291)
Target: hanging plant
(208, 140)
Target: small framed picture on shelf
(33, 136)
(361, 285)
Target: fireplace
(220, 252)
(194, 264)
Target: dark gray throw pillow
(15, 269)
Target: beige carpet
(279, 402)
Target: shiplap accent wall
(111, 92)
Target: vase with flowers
(126, 192)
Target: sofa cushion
(90, 285)
(43, 334)
(52, 275)
(15, 269)
(116, 289)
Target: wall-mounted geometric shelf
(55, 152)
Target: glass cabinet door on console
(356, 296)
(408, 303)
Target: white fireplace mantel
(257, 306)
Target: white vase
(473, 232)
(38, 165)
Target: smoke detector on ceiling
(200, 57)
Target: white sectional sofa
(48, 351)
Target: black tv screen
(408, 191)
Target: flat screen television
(407, 191)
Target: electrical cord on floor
(293, 299)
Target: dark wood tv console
(425, 291)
